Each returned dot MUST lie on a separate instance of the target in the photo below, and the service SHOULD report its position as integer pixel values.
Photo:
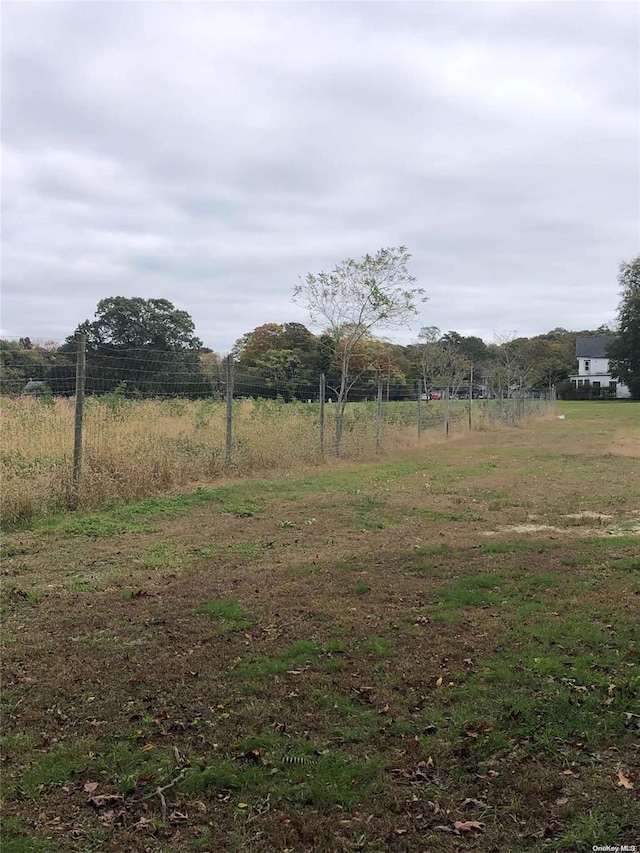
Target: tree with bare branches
(352, 300)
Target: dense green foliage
(625, 350)
(146, 346)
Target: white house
(593, 367)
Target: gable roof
(593, 346)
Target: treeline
(153, 352)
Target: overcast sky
(212, 153)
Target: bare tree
(509, 376)
(442, 365)
(352, 300)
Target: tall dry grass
(135, 449)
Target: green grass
(295, 655)
(519, 546)
(597, 827)
(120, 762)
(327, 780)
(625, 564)
(379, 646)
(441, 550)
(229, 615)
(14, 839)
(609, 542)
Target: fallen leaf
(561, 801)
(568, 773)
(178, 817)
(472, 826)
(401, 831)
(90, 787)
(104, 799)
(625, 780)
(147, 747)
(243, 805)
(477, 804)
(439, 681)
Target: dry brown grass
(135, 449)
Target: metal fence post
(229, 401)
(379, 414)
(79, 415)
(419, 408)
(447, 413)
(471, 398)
(323, 394)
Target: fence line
(84, 446)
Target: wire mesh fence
(117, 426)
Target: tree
(146, 343)
(624, 352)
(429, 358)
(214, 371)
(23, 360)
(253, 346)
(132, 323)
(508, 374)
(472, 347)
(443, 362)
(352, 300)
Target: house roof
(593, 346)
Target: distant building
(593, 368)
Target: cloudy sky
(211, 153)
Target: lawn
(433, 652)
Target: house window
(596, 385)
(613, 386)
(587, 365)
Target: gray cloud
(212, 153)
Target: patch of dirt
(626, 444)
(588, 514)
(524, 528)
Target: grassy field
(140, 448)
(432, 652)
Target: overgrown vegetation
(139, 448)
